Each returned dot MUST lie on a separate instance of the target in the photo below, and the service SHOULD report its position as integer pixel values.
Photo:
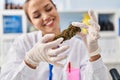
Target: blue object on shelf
(12, 24)
(119, 27)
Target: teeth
(49, 22)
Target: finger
(94, 36)
(54, 43)
(92, 15)
(58, 58)
(78, 24)
(97, 37)
(47, 38)
(55, 60)
(81, 35)
(95, 25)
(57, 51)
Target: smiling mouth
(49, 23)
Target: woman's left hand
(92, 36)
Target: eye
(36, 16)
(48, 9)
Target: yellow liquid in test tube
(85, 21)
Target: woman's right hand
(91, 38)
(44, 50)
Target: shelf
(13, 22)
(108, 34)
(108, 22)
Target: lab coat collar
(39, 35)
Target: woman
(30, 55)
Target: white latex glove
(92, 36)
(43, 51)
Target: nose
(45, 16)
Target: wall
(87, 4)
(1, 4)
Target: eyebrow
(46, 5)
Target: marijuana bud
(68, 33)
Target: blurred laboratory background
(13, 23)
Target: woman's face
(44, 16)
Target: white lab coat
(14, 67)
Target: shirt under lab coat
(14, 67)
